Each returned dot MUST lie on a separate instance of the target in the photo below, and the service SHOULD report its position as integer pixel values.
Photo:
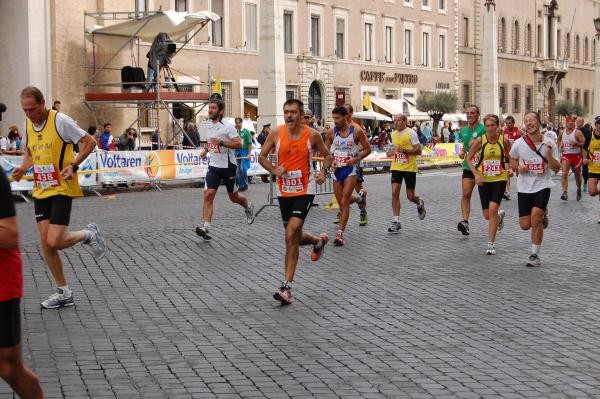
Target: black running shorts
(214, 176)
(409, 177)
(594, 176)
(467, 174)
(57, 209)
(528, 201)
(10, 323)
(297, 206)
(491, 192)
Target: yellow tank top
(491, 165)
(594, 153)
(403, 162)
(50, 154)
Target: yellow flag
(367, 101)
(217, 87)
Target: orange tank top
(296, 157)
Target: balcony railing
(556, 65)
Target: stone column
(271, 83)
(596, 110)
(489, 75)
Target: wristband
(221, 143)
(75, 167)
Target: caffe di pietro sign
(382, 77)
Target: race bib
(341, 158)
(535, 166)
(400, 157)
(492, 167)
(567, 146)
(291, 182)
(476, 159)
(214, 148)
(596, 158)
(45, 176)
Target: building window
(516, 38)
(408, 3)
(408, 47)
(577, 96)
(558, 44)
(425, 51)
(226, 89)
(466, 94)
(442, 51)
(251, 26)
(288, 32)
(503, 99)
(368, 41)
(217, 7)
(315, 32)
(340, 40)
(529, 98)
(291, 92)
(586, 50)
(502, 35)
(389, 43)
(568, 47)
(586, 101)
(529, 38)
(442, 5)
(181, 5)
(516, 99)
(465, 32)
(540, 41)
(577, 50)
(426, 4)
(314, 100)
(142, 6)
(568, 95)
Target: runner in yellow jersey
(49, 139)
(592, 159)
(406, 147)
(490, 175)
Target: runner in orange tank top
(295, 145)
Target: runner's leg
(20, 378)
(564, 182)
(207, 207)
(465, 202)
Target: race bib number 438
(45, 176)
(291, 182)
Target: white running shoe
(421, 210)
(96, 241)
(58, 300)
(250, 213)
(501, 214)
(534, 261)
(491, 249)
(395, 227)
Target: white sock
(535, 249)
(88, 236)
(206, 225)
(65, 289)
(397, 219)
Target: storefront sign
(400, 78)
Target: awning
(252, 101)
(371, 115)
(400, 106)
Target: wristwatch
(75, 167)
(221, 143)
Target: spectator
(427, 132)
(191, 137)
(127, 140)
(243, 155)
(451, 136)
(156, 140)
(262, 137)
(422, 138)
(8, 145)
(92, 131)
(56, 105)
(106, 141)
(446, 129)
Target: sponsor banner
(190, 165)
(87, 179)
(135, 166)
(255, 168)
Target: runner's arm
(86, 146)
(364, 143)
(552, 161)
(9, 232)
(579, 139)
(27, 163)
(263, 159)
(475, 148)
(317, 142)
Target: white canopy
(454, 117)
(371, 115)
(400, 106)
(175, 24)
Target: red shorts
(576, 160)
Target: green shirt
(466, 135)
(246, 137)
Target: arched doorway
(314, 99)
(551, 103)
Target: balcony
(551, 66)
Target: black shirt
(7, 202)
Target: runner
(468, 134)
(586, 130)
(532, 157)
(20, 378)
(512, 133)
(491, 176)
(49, 139)
(344, 142)
(295, 145)
(571, 141)
(406, 147)
(222, 141)
(592, 159)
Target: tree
(437, 104)
(567, 108)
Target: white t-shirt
(3, 143)
(551, 135)
(220, 157)
(539, 177)
(65, 125)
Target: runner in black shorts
(21, 379)
(297, 207)
(409, 178)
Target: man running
(49, 139)
(468, 134)
(586, 130)
(12, 369)
(571, 142)
(532, 157)
(490, 175)
(511, 133)
(406, 147)
(592, 160)
(222, 141)
(344, 142)
(295, 145)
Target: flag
(367, 102)
(217, 87)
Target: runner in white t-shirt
(532, 157)
(222, 141)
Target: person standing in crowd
(222, 141)
(468, 134)
(264, 133)
(592, 160)
(56, 105)
(191, 136)
(295, 144)
(106, 141)
(48, 142)
(532, 157)
(12, 369)
(127, 140)
(511, 133)
(586, 130)
(242, 155)
(8, 145)
(157, 143)
(490, 173)
(571, 141)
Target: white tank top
(343, 148)
(568, 143)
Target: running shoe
(337, 218)
(363, 217)
(506, 196)
(249, 213)
(578, 195)
(96, 241)
(59, 299)
(339, 239)
(463, 227)
(491, 249)
(421, 210)
(319, 249)
(362, 195)
(501, 214)
(545, 220)
(395, 227)
(534, 261)
(564, 196)
(585, 189)
(203, 233)
(284, 295)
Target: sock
(206, 225)
(397, 219)
(535, 249)
(65, 289)
(341, 231)
(286, 284)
